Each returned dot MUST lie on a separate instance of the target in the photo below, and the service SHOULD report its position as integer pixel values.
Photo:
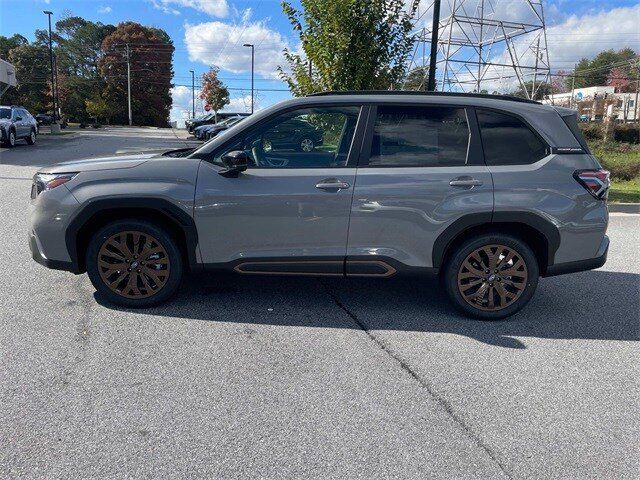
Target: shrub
(592, 131)
(627, 132)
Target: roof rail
(511, 98)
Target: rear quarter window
(507, 140)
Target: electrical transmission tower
(493, 45)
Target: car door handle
(332, 184)
(465, 182)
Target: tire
(11, 139)
(154, 285)
(31, 139)
(503, 294)
(306, 145)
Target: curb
(624, 207)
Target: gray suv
(17, 123)
(491, 192)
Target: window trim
(354, 148)
(547, 148)
(475, 153)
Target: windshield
(5, 113)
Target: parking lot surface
(308, 378)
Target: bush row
(623, 132)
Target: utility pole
(252, 59)
(129, 82)
(53, 89)
(635, 104)
(431, 84)
(193, 94)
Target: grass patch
(623, 161)
(625, 192)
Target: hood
(4, 121)
(103, 163)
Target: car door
(289, 211)
(421, 169)
(18, 122)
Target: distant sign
(7, 74)
(207, 107)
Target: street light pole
(252, 63)
(53, 90)
(129, 83)
(193, 94)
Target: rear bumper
(581, 265)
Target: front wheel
(306, 145)
(134, 263)
(10, 142)
(491, 277)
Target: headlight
(47, 181)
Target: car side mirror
(234, 162)
(18, 119)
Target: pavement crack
(440, 400)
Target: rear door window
(507, 140)
(417, 136)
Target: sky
(212, 32)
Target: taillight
(596, 182)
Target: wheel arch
(161, 212)
(542, 236)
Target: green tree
(542, 90)
(97, 108)
(32, 75)
(417, 79)
(593, 73)
(351, 44)
(8, 43)
(151, 53)
(214, 92)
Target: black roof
(511, 98)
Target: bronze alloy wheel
(492, 277)
(133, 264)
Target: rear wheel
(134, 263)
(306, 145)
(31, 139)
(492, 276)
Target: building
(594, 103)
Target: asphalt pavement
(308, 378)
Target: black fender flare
(172, 212)
(544, 226)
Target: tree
(593, 73)
(214, 92)
(151, 52)
(417, 79)
(32, 74)
(9, 43)
(351, 44)
(78, 51)
(542, 90)
(620, 80)
(97, 108)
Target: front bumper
(581, 265)
(38, 256)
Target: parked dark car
(210, 119)
(44, 119)
(207, 132)
(294, 134)
(17, 123)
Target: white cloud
(104, 10)
(221, 44)
(215, 8)
(588, 35)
